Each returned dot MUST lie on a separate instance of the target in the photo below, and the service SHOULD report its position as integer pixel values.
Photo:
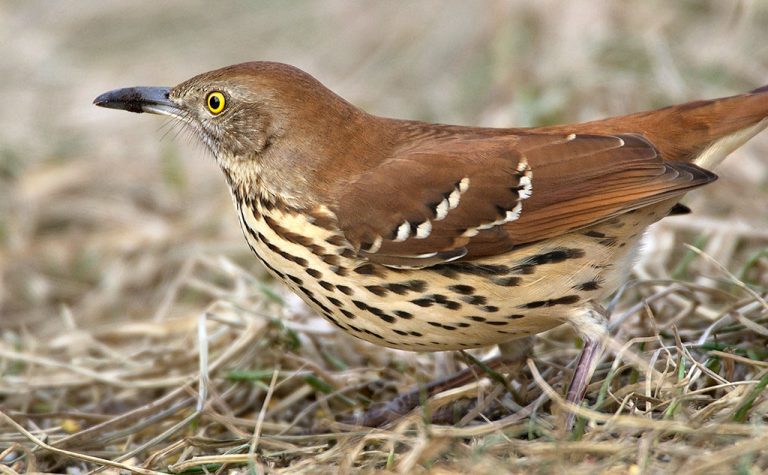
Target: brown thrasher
(432, 237)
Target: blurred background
(100, 211)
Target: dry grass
(136, 333)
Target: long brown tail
(703, 132)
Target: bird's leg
(512, 353)
(592, 325)
(515, 352)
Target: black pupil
(214, 102)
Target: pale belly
(450, 306)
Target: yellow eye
(215, 102)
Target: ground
(123, 273)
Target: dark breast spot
(439, 299)
(336, 240)
(347, 313)
(266, 204)
(386, 318)
(423, 302)
(370, 269)
(345, 290)
(375, 335)
(377, 290)
(324, 221)
(292, 237)
(462, 289)
(555, 256)
(454, 269)
(374, 310)
(442, 325)
(289, 257)
(340, 271)
(525, 269)
(593, 284)
(507, 281)
(331, 259)
(326, 285)
(567, 300)
(401, 288)
(475, 300)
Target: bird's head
(257, 118)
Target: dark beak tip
(116, 99)
(100, 100)
(134, 99)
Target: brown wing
(467, 198)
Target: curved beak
(154, 100)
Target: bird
(433, 237)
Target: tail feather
(702, 132)
(723, 146)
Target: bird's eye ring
(215, 102)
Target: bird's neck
(308, 172)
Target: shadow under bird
(431, 237)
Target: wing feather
(463, 198)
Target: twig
(74, 455)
